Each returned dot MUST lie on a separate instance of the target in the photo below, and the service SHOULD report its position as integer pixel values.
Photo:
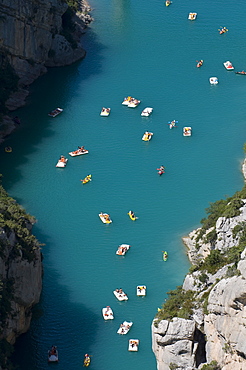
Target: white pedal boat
(79, 151)
(55, 112)
(141, 290)
(147, 136)
(105, 112)
(105, 218)
(187, 131)
(147, 112)
(214, 80)
(53, 354)
(107, 313)
(133, 345)
(120, 295)
(131, 102)
(125, 327)
(192, 16)
(122, 249)
(228, 65)
(62, 162)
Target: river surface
(149, 51)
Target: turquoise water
(148, 51)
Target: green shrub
(180, 303)
(212, 366)
(213, 262)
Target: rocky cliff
(203, 324)
(34, 35)
(20, 273)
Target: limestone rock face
(198, 250)
(26, 285)
(31, 38)
(173, 343)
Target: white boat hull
(78, 152)
(133, 345)
(107, 313)
(187, 131)
(120, 296)
(141, 290)
(61, 164)
(147, 112)
(125, 327)
(213, 80)
(122, 249)
(228, 65)
(103, 218)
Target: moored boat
(133, 345)
(228, 65)
(55, 112)
(53, 354)
(125, 327)
(86, 179)
(147, 136)
(147, 112)
(80, 151)
(122, 249)
(87, 360)
(187, 131)
(105, 112)
(214, 80)
(192, 16)
(120, 295)
(132, 215)
(107, 313)
(105, 218)
(141, 290)
(62, 162)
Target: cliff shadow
(57, 320)
(54, 89)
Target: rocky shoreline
(214, 335)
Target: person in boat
(81, 149)
(62, 159)
(132, 214)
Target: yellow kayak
(86, 179)
(87, 361)
(132, 215)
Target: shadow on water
(54, 89)
(60, 317)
